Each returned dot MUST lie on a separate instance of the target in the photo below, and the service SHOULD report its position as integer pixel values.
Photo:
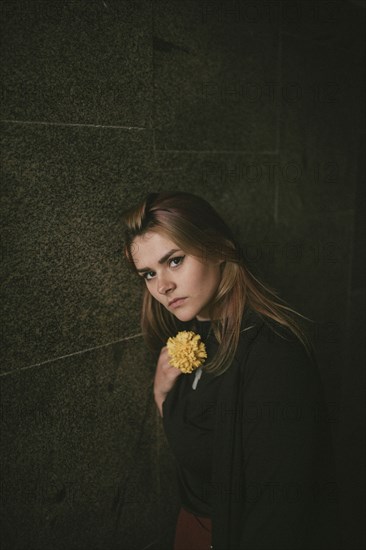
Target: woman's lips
(177, 303)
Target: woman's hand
(165, 378)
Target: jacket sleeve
(287, 484)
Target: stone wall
(256, 106)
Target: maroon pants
(192, 532)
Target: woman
(248, 428)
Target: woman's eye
(177, 258)
(180, 258)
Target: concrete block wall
(256, 106)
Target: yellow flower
(186, 352)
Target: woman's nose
(164, 285)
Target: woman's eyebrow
(161, 261)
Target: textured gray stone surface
(78, 62)
(211, 93)
(80, 451)
(65, 275)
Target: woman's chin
(184, 316)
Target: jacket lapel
(227, 466)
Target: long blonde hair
(191, 223)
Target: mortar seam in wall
(279, 118)
(72, 124)
(152, 112)
(279, 76)
(218, 151)
(70, 354)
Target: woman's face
(179, 275)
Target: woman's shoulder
(274, 349)
(268, 334)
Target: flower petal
(186, 351)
